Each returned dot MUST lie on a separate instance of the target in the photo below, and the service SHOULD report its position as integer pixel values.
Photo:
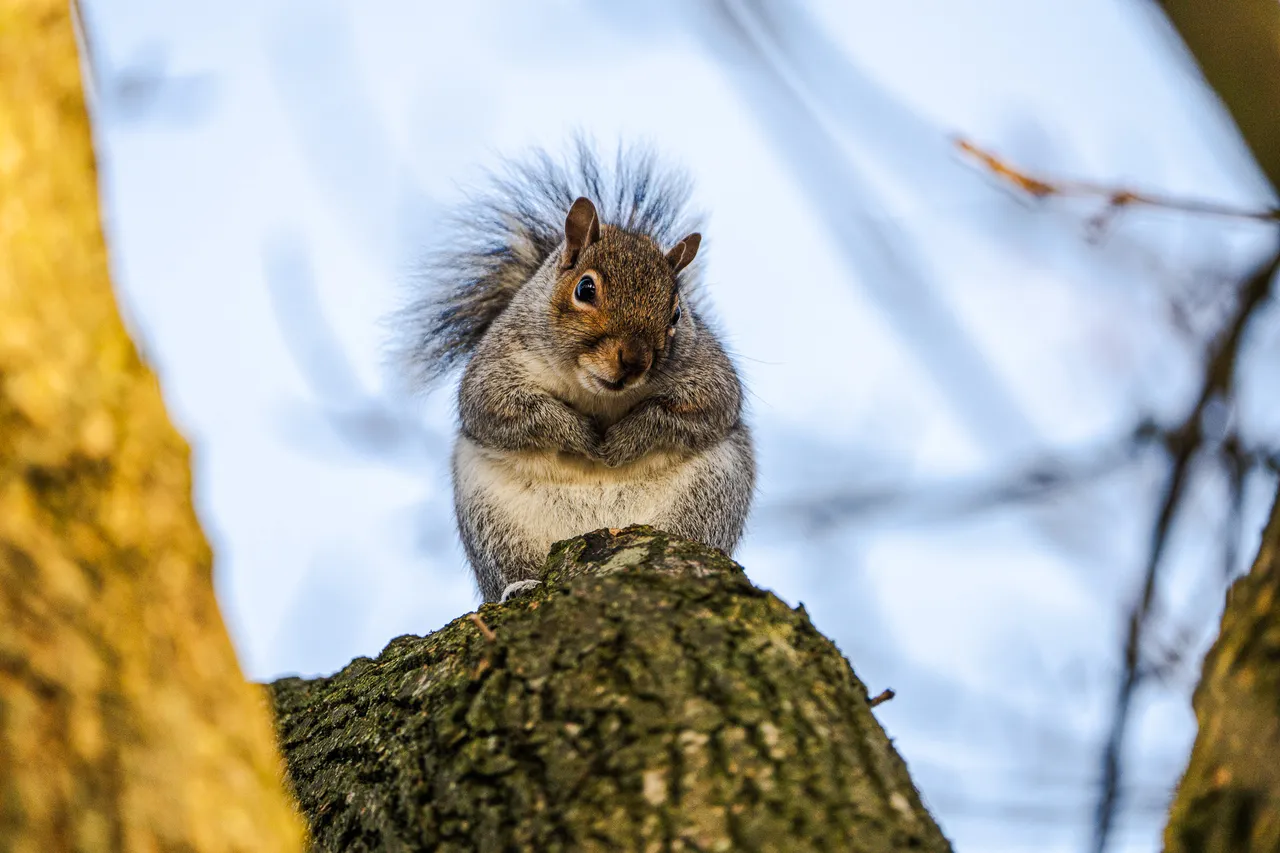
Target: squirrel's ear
(581, 229)
(683, 253)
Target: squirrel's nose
(634, 358)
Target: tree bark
(1229, 797)
(125, 723)
(1236, 44)
(646, 697)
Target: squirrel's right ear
(682, 253)
(581, 229)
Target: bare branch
(1186, 442)
(1114, 198)
(881, 697)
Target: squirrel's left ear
(581, 229)
(682, 253)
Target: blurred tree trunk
(1229, 797)
(125, 723)
(1236, 43)
(646, 698)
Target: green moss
(647, 697)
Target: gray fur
(543, 453)
(497, 241)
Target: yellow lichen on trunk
(125, 722)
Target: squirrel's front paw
(614, 453)
(613, 460)
(517, 589)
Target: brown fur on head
(616, 300)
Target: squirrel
(595, 394)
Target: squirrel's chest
(549, 497)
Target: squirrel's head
(616, 302)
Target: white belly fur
(549, 496)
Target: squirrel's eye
(585, 291)
(675, 317)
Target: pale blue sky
(328, 136)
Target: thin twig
(484, 629)
(1235, 465)
(1115, 198)
(881, 697)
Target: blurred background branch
(1186, 441)
(1115, 198)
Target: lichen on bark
(646, 697)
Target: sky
(899, 317)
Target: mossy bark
(646, 697)
(125, 723)
(1229, 797)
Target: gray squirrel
(594, 393)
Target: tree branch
(1114, 197)
(1187, 441)
(646, 697)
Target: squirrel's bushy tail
(496, 243)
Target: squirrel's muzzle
(619, 364)
(635, 357)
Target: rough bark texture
(647, 697)
(125, 723)
(1229, 798)
(1236, 43)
